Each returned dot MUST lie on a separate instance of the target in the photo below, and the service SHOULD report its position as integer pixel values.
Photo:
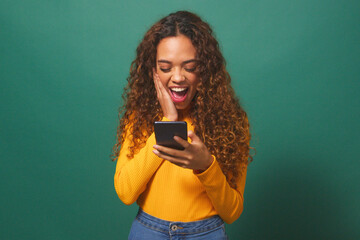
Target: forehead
(175, 49)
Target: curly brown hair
(219, 120)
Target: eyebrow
(185, 62)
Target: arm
(227, 201)
(132, 175)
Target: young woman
(179, 74)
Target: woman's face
(176, 66)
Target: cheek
(194, 81)
(163, 78)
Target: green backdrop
(294, 65)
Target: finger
(170, 151)
(154, 75)
(161, 86)
(156, 82)
(182, 142)
(176, 161)
(193, 137)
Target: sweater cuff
(210, 172)
(212, 176)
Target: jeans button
(174, 227)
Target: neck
(183, 113)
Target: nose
(177, 76)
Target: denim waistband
(178, 227)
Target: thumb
(194, 138)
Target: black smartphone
(165, 132)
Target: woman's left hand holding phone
(195, 156)
(164, 98)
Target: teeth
(178, 89)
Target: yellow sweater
(169, 192)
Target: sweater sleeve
(132, 175)
(227, 201)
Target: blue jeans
(146, 227)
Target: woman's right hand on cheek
(164, 98)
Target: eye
(190, 69)
(165, 70)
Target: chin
(182, 106)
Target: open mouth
(178, 94)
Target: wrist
(211, 159)
(172, 117)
